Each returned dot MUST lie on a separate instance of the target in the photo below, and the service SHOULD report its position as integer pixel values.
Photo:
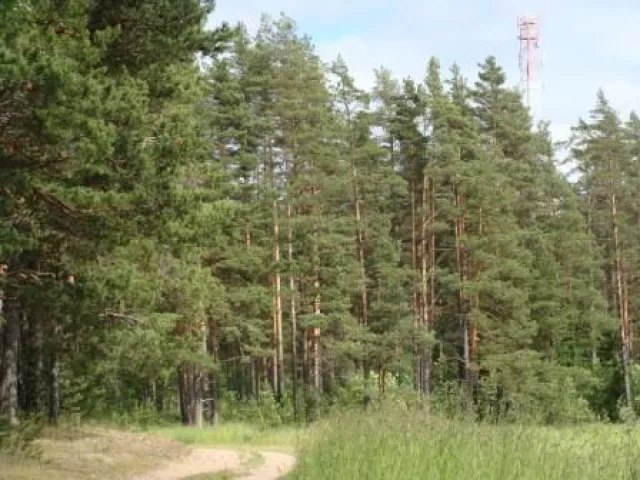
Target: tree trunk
(54, 386)
(625, 328)
(415, 301)
(158, 397)
(39, 374)
(9, 375)
(316, 340)
(198, 397)
(213, 346)
(463, 299)
(278, 372)
(315, 336)
(475, 334)
(294, 317)
(426, 306)
(183, 395)
(364, 302)
(594, 340)
(625, 306)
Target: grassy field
(373, 446)
(407, 447)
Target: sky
(586, 44)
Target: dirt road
(270, 466)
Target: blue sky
(586, 44)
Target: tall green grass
(405, 446)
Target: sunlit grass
(238, 435)
(405, 447)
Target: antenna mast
(530, 59)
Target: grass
(239, 436)
(406, 447)
(225, 475)
(79, 453)
(367, 446)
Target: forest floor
(90, 452)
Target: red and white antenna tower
(530, 59)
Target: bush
(19, 439)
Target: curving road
(210, 460)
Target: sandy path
(210, 460)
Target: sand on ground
(210, 460)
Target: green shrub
(19, 439)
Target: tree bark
(463, 298)
(54, 386)
(475, 333)
(214, 378)
(415, 301)
(364, 312)
(294, 317)
(9, 375)
(39, 374)
(594, 342)
(427, 247)
(278, 360)
(316, 340)
(625, 328)
(183, 395)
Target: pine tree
(401, 112)
(375, 189)
(603, 156)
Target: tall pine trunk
(426, 311)
(593, 333)
(40, 371)
(315, 345)
(463, 297)
(625, 327)
(475, 333)
(9, 374)
(214, 381)
(278, 361)
(294, 316)
(363, 309)
(415, 299)
(54, 378)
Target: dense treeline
(264, 233)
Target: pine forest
(212, 224)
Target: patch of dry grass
(225, 475)
(92, 453)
